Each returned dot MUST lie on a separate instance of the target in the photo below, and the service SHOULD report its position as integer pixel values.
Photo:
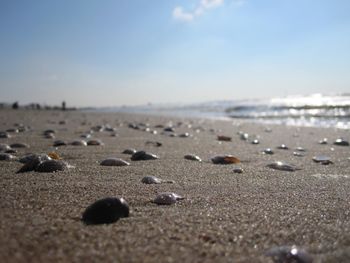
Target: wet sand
(226, 216)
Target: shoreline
(225, 217)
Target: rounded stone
(106, 211)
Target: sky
(132, 52)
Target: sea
(315, 110)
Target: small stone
(154, 143)
(192, 157)
(224, 138)
(19, 145)
(322, 159)
(341, 142)
(256, 141)
(143, 156)
(114, 162)
(7, 157)
(282, 166)
(289, 254)
(283, 147)
(106, 211)
(167, 198)
(95, 143)
(238, 170)
(225, 159)
(151, 180)
(323, 141)
(79, 143)
(59, 143)
(51, 166)
(298, 154)
(268, 151)
(129, 151)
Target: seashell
(323, 141)
(282, 166)
(32, 161)
(225, 159)
(224, 138)
(167, 198)
(298, 154)
(268, 151)
(54, 155)
(95, 142)
(142, 155)
(129, 151)
(283, 147)
(7, 157)
(151, 180)
(289, 254)
(114, 162)
(341, 142)
(4, 147)
(322, 159)
(238, 170)
(4, 135)
(154, 143)
(79, 143)
(105, 211)
(255, 141)
(19, 145)
(59, 143)
(193, 157)
(51, 166)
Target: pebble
(154, 143)
(238, 170)
(167, 198)
(143, 156)
(322, 159)
(298, 154)
(341, 142)
(225, 159)
(4, 135)
(59, 143)
(283, 166)
(51, 166)
(19, 145)
(79, 143)
(129, 151)
(4, 147)
(114, 162)
(151, 180)
(289, 254)
(224, 138)
(192, 157)
(268, 151)
(256, 141)
(283, 147)
(105, 211)
(95, 143)
(323, 141)
(7, 157)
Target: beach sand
(225, 217)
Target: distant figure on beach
(15, 105)
(63, 105)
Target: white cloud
(179, 14)
(202, 6)
(200, 9)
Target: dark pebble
(106, 211)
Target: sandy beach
(225, 216)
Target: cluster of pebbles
(111, 209)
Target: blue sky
(116, 52)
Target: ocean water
(316, 110)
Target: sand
(226, 216)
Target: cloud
(202, 6)
(180, 15)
